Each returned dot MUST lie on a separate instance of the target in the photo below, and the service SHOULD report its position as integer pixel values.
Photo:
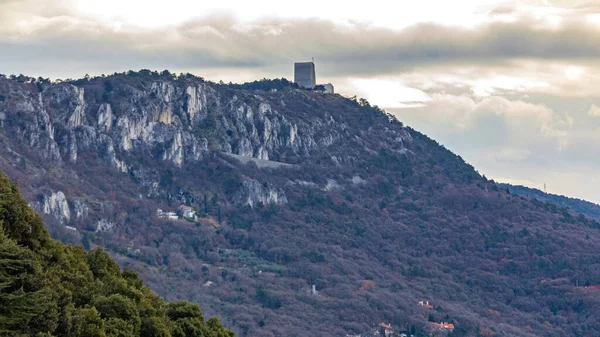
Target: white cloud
(389, 93)
(594, 111)
(507, 120)
(381, 13)
(514, 155)
(516, 140)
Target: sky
(513, 87)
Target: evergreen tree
(50, 289)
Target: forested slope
(51, 289)
(584, 207)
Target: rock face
(57, 206)
(162, 121)
(104, 225)
(175, 121)
(253, 192)
(80, 209)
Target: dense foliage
(51, 289)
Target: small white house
(187, 212)
(328, 88)
(166, 215)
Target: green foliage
(19, 222)
(86, 323)
(24, 301)
(50, 289)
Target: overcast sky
(511, 86)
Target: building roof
(386, 326)
(443, 325)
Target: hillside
(576, 205)
(292, 189)
(51, 289)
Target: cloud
(64, 36)
(594, 111)
(496, 120)
(512, 155)
(541, 138)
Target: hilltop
(292, 189)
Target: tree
(24, 302)
(86, 322)
(116, 308)
(108, 86)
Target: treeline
(51, 289)
(264, 85)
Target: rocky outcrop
(252, 192)
(332, 185)
(140, 126)
(80, 209)
(105, 118)
(174, 122)
(104, 225)
(56, 205)
(357, 180)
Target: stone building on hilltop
(305, 75)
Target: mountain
(316, 214)
(576, 205)
(51, 289)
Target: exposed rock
(111, 157)
(303, 183)
(57, 206)
(253, 192)
(332, 185)
(104, 225)
(80, 209)
(175, 152)
(357, 180)
(105, 118)
(78, 114)
(162, 115)
(196, 102)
